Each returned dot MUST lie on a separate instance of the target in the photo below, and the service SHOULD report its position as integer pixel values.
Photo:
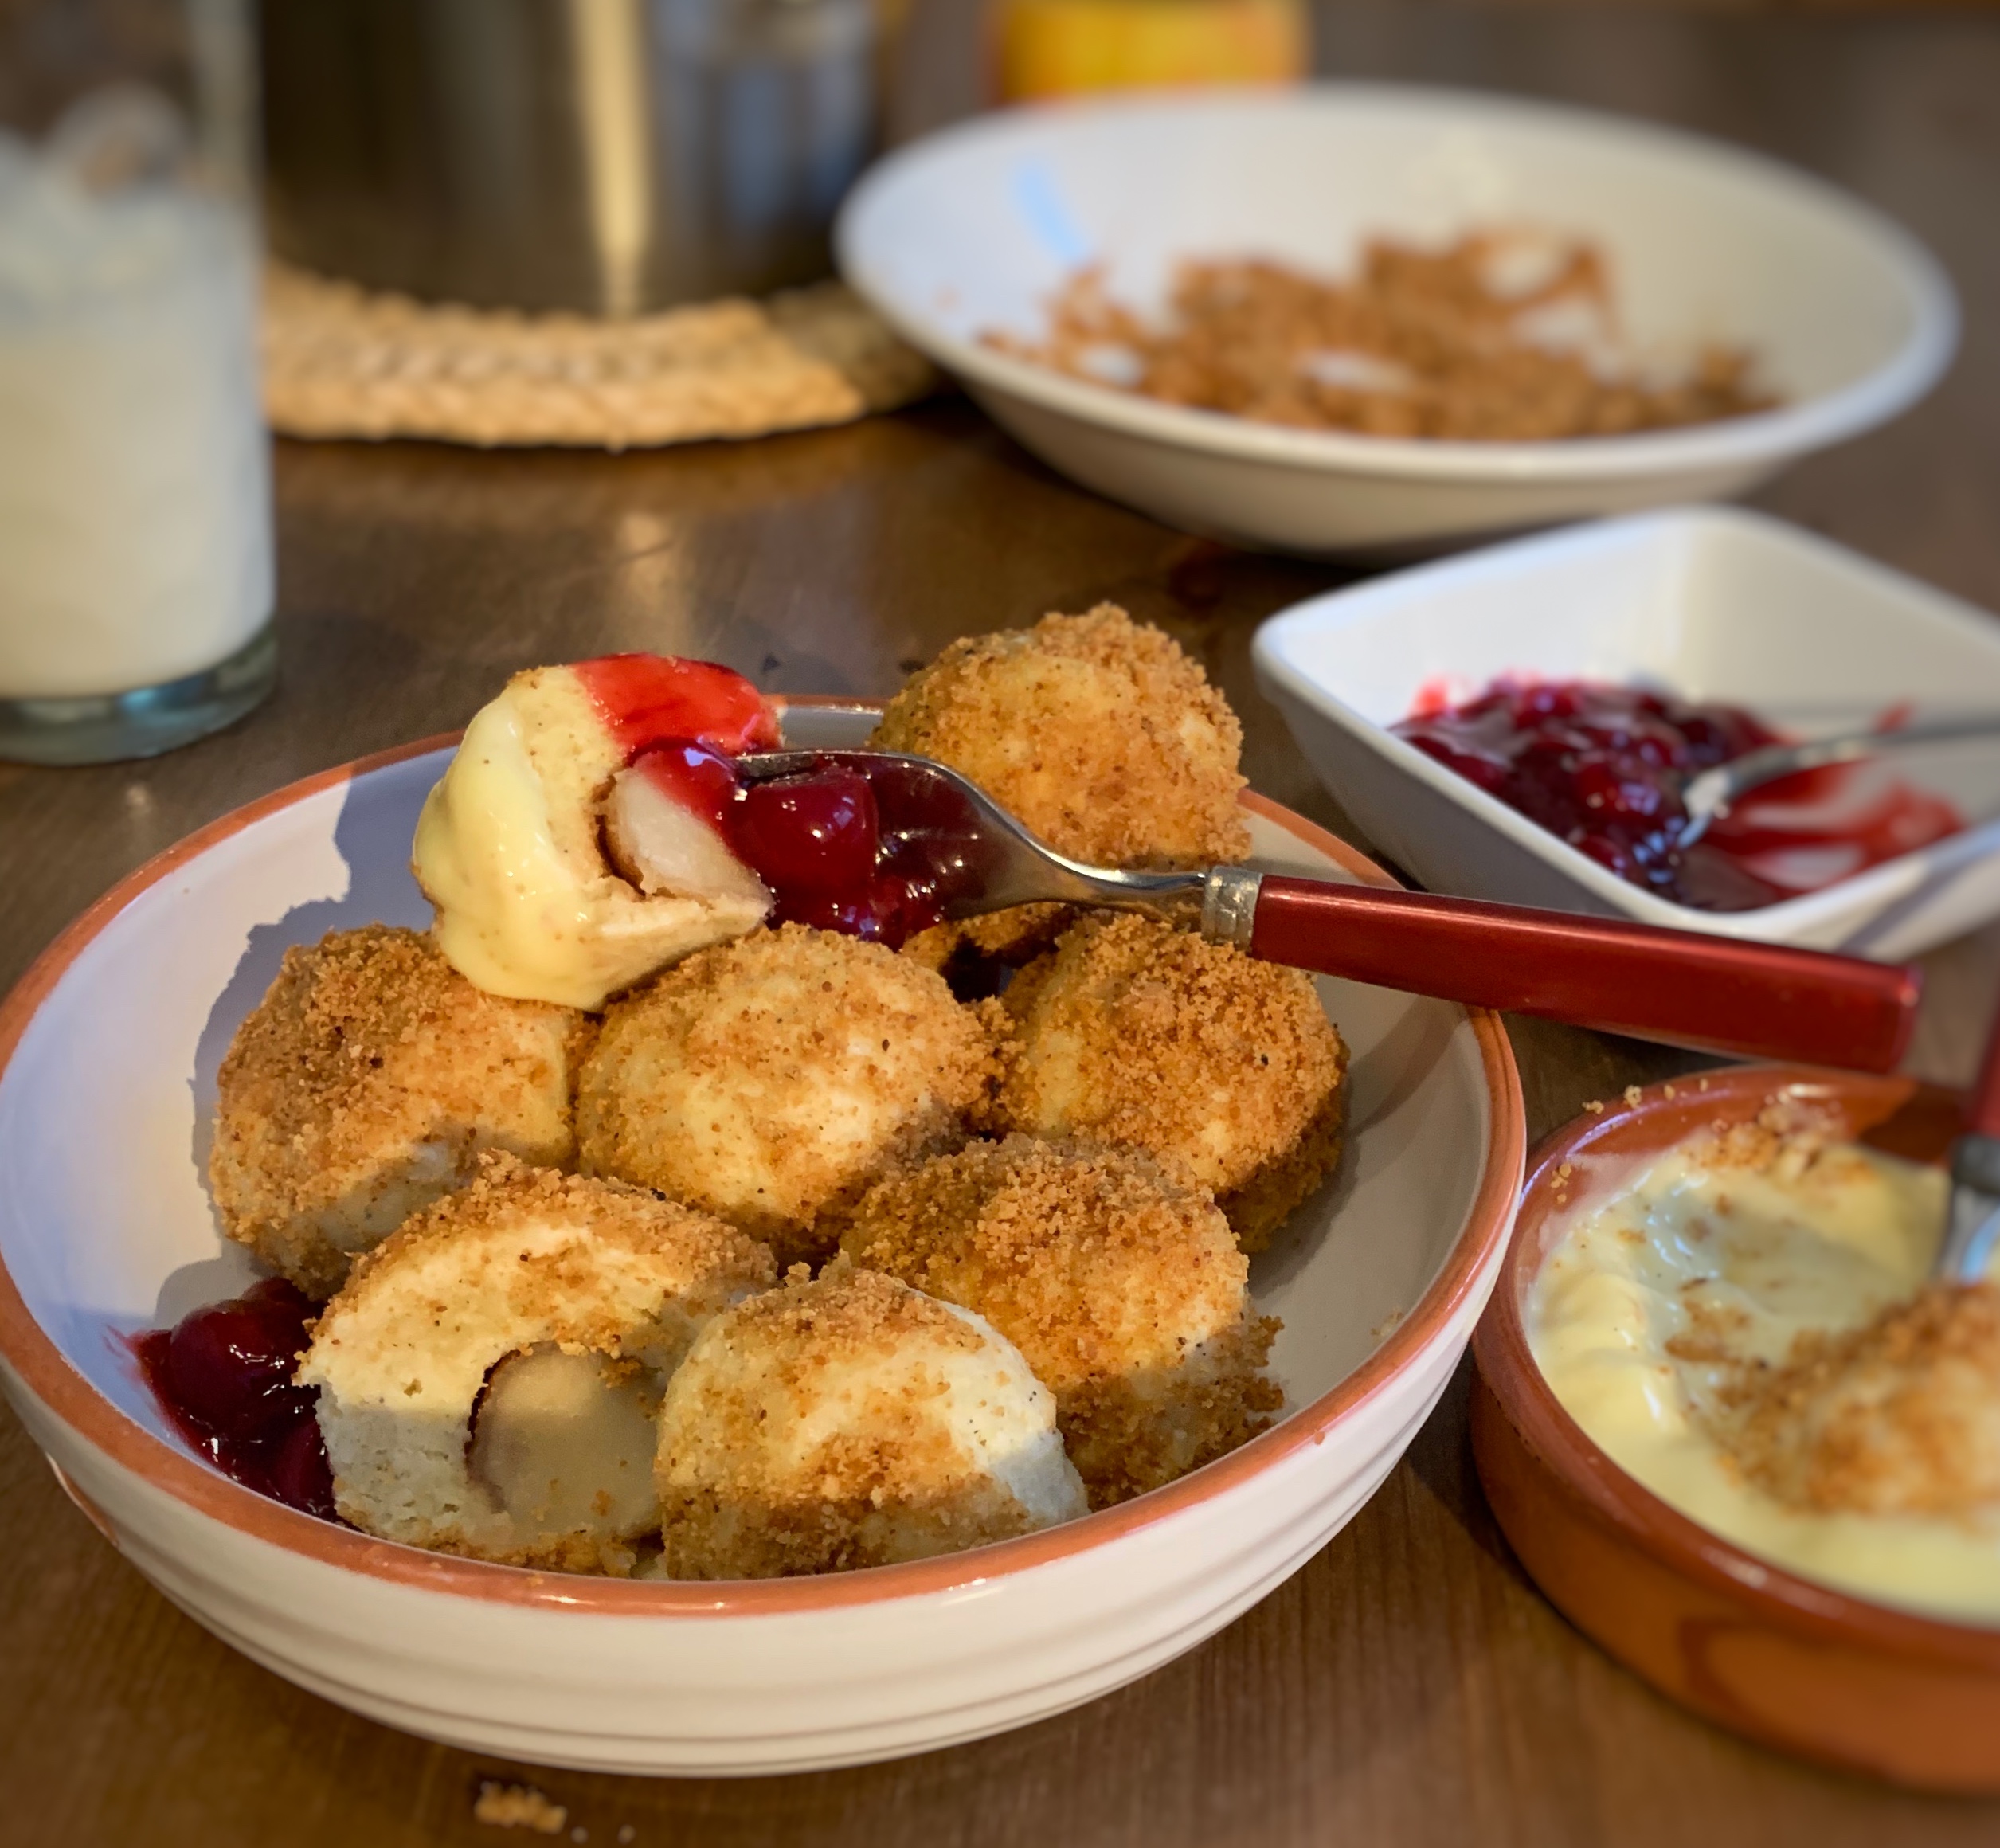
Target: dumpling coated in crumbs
(364, 1085)
(1123, 1288)
(849, 1421)
(1099, 733)
(595, 1289)
(774, 1079)
(1225, 1068)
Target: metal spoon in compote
(1707, 798)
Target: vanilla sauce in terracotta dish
(1741, 1326)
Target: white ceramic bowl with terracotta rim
(108, 1048)
(1777, 1658)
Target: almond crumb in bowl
(1500, 337)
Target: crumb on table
(518, 1806)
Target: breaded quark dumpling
(1099, 735)
(561, 868)
(773, 1080)
(1225, 1068)
(489, 1377)
(1097, 732)
(1124, 1288)
(1899, 1416)
(364, 1085)
(852, 1422)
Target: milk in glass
(135, 490)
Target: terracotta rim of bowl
(1900, 1114)
(70, 1396)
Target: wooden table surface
(1408, 1686)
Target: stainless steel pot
(609, 156)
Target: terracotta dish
(1776, 1658)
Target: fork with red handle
(1723, 994)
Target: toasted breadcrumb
(1097, 732)
(1419, 343)
(1900, 1416)
(522, 1258)
(362, 1088)
(519, 1805)
(1224, 1068)
(773, 1080)
(851, 1421)
(1123, 1288)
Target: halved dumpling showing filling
(489, 1376)
(564, 864)
(565, 1441)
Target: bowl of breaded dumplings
(567, 1247)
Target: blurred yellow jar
(1061, 48)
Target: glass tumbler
(135, 543)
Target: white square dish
(1712, 604)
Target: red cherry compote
(223, 1375)
(1602, 768)
(877, 854)
(652, 700)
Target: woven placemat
(342, 361)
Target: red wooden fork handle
(1759, 1000)
(1983, 1108)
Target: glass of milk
(135, 568)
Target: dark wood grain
(1408, 1686)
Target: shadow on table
(372, 835)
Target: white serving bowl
(1708, 603)
(972, 230)
(108, 1050)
